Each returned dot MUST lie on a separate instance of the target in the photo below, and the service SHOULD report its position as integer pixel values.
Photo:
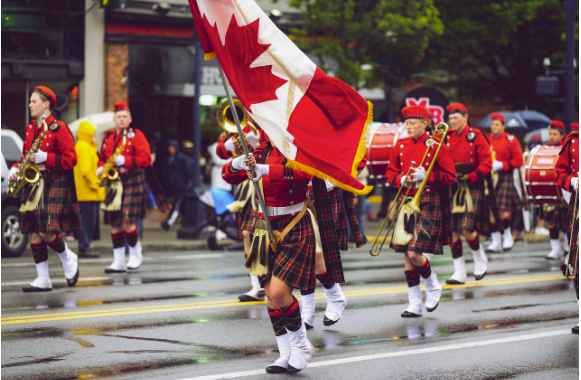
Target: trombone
(414, 205)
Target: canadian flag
(319, 123)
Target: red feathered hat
(121, 106)
(557, 124)
(47, 93)
(456, 108)
(416, 112)
(575, 126)
(497, 116)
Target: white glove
(574, 182)
(229, 144)
(260, 170)
(497, 166)
(329, 186)
(40, 157)
(253, 139)
(239, 163)
(120, 160)
(418, 174)
(99, 172)
(13, 172)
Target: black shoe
(111, 270)
(407, 314)
(34, 289)
(73, 281)
(247, 298)
(308, 327)
(480, 277)
(292, 369)
(432, 309)
(328, 322)
(275, 369)
(453, 282)
(165, 226)
(88, 254)
(261, 293)
(575, 330)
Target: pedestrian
(556, 216)
(89, 193)
(432, 227)
(470, 150)
(178, 173)
(508, 159)
(50, 205)
(125, 150)
(567, 170)
(293, 263)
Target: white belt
(122, 170)
(278, 211)
(41, 167)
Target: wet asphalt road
(178, 317)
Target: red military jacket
(283, 186)
(58, 144)
(562, 143)
(567, 165)
(407, 150)
(225, 154)
(137, 152)
(508, 150)
(471, 147)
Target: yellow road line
(231, 303)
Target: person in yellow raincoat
(89, 193)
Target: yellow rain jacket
(87, 183)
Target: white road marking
(429, 350)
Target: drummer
(556, 216)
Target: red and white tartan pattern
(58, 209)
(338, 212)
(476, 220)
(557, 216)
(431, 229)
(294, 263)
(134, 200)
(507, 197)
(245, 218)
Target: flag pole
(246, 152)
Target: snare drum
(382, 138)
(540, 177)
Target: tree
(389, 35)
(493, 49)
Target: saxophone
(109, 171)
(27, 172)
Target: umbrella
(103, 122)
(538, 136)
(513, 122)
(534, 119)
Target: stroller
(220, 221)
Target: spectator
(89, 193)
(177, 176)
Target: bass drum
(540, 176)
(382, 138)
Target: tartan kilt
(58, 209)
(476, 220)
(294, 263)
(573, 230)
(430, 230)
(339, 218)
(557, 216)
(133, 202)
(506, 194)
(245, 218)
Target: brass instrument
(27, 172)
(414, 204)
(109, 170)
(226, 121)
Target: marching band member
(125, 202)
(556, 216)
(431, 232)
(508, 158)
(574, 127)
(567, 171)
(293, 265)
(246, 210)
(51, 206)
(471, 152)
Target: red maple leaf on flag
(252, 84)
